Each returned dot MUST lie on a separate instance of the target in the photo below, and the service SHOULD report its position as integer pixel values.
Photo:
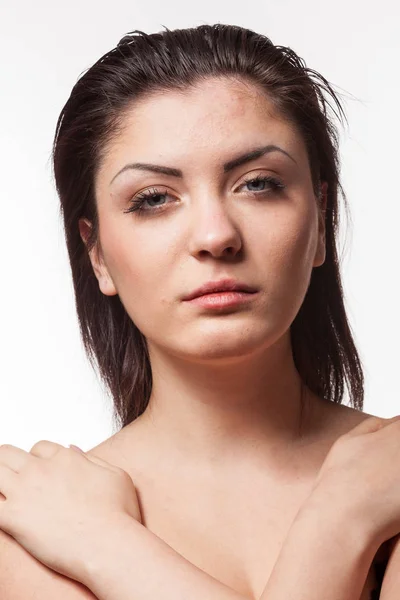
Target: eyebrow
(228, 166)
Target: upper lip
(223, 285)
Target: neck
(218, 413)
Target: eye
(271, 184)
(274, 184)
(138, 201)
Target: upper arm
(23, 577)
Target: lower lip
(223, 299)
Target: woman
(198, 176)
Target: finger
(101, 462)
(45, 449)
(76, 448)
(12, 457)
(93, 458)
(370, 425)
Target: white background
(47, 387)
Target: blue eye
(138, 201)
(273, 183)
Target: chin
(223, 345)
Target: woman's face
(208, 224)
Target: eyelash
(139, 200)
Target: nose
(214, 231)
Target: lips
(225, 285)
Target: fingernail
(76, 448)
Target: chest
(232, 532)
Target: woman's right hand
(361, 475)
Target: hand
(59, 503)
(361, 475)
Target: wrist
(133, 562)
(341, 517)
(103, 550)
(323, 556)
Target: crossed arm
(324, 556)
(318, 560)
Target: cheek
(295, 247)
(140, 271)
(289, 249)
(134, 254)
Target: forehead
(211, 120)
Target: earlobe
(106, 284)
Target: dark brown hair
(323, 348)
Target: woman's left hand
(58, 503)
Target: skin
(226, 392)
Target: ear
(322, 200)
(106, 283)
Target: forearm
(135, 564)
(323, 556)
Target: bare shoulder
(351, 417)
(22, 577)
(127, 449)
(340, 418)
